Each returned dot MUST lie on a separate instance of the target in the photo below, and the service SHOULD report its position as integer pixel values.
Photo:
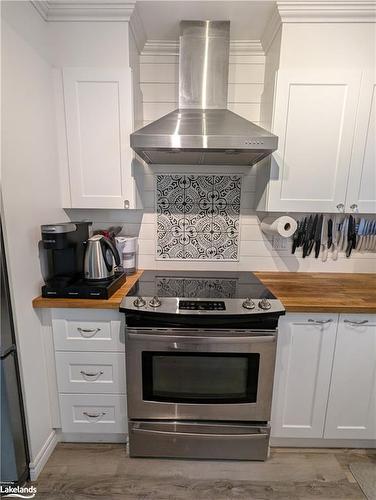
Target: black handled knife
(318, 235)
(306, 236)
(296, 236)
(351, 236)
(312, 235)
(330, 233)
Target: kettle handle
(106, 244)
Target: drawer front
(91, 372)
(82, 335)
(92, 413)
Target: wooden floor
(104, 471)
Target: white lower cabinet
(351, 407)
(325, 378)
(90, 373)
(93, 413)
(304, 360)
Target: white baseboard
(40, 461)
(86, 437)
(321, 443)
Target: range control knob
(139, 302)
(154, 302)
(264, 304)
(248, 303)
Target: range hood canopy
(202, 131)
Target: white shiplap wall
(159, 86)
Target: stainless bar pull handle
(320, 321)
(94, 415)
(355, 322)
(199, 434)
(86, 374)
(88, 332)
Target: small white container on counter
(127, 248)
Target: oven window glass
(200, 377)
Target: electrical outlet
(279, 243)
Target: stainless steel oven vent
(203, 131)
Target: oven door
(200, 374)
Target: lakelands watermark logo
(7, 491)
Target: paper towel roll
(284, 226)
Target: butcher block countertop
(112, 303)
(323, 292)
(299, 292)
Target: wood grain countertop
(112, 303)
(323, 292)
(299, 292)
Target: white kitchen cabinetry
(98, 121)
(314, 119)
(90, 373)
(325, 378)
(351, 410)
(304, 361)
(361, 193)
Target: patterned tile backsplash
(198, 217)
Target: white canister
(127, 248)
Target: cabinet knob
(126, 203)
(354, 207)
(340, 207)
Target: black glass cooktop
(199, 284)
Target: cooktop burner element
(187, 297)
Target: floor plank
(104, 471)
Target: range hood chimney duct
(203, 131)
(203, 64)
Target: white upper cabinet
(314, 118)
(302, 376)
(361, 193)
(351, 412)
(98, 121)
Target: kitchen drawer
(93, 413)
(91, 372)
(94, 331)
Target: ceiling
(248, 17)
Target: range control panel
(202, 305)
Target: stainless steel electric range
(200, 355)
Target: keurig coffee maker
(64, 247)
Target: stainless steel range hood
(202, 131)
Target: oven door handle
(259, 435)
(180, 342)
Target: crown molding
(85, 10)
(271, 29)
(171, 47)
(161, 47)
(324, 11)
(138, 30)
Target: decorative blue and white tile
(198, 189)
(227, 217)
(227, 189)
(170, 246)
(225, 245)
(193, 214)
(170, 190)
(169, 220)
(197, 245)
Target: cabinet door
(314, 118)
(361, 192)
(351, 409)
(98, 115)
(301, 383)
